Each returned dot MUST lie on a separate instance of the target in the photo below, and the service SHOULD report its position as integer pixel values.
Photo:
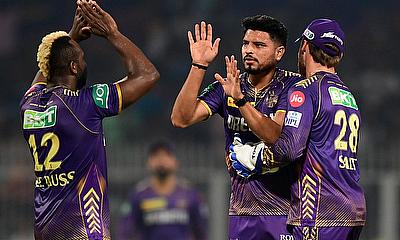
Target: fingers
(219, 78)
(88, 12)
(216, 45)
(197, 32)
(203, 31)
(97, 8)
(190, 38)
(209, 32)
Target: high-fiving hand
(80, 30)
(202, 49)
(100, 22)
(231, 84)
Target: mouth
(249, 60)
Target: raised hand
(100, 22)
(79, 30)
(231, 84)
(202, 49)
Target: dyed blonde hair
(44, 50)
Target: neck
(261, 80)
(165, 186)
(65, 81)
(313, 67)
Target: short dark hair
(161, 145)
(323, 58)
(61, 54)
(276, 29)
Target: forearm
(136, 63)
(185, 104)
(263, 127)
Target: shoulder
(35, 88)
(142, 186)
(288, 78)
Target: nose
(247, 49)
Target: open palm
(202, 49)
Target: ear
(304, 46)
(73, 67)
(279, 52)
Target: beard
(301, 66)
(161, 173)
(256, 70)
(82, 77)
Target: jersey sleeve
(106, 99)
(298, 122)
(212, 98)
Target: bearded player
(62, 123)
(321, 135)
(258, 205)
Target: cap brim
(297, 40)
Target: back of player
(328, 193)
(67, 144)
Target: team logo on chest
(272, 99)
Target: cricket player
(320, 135)
(164, 206)
(62, 123)
(258, 205)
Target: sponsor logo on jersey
(237, 124)
(293, 119)
(297, 99)
(100, 93)
(34, 119)
(342, 97)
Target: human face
(260, 54)
(162, 164)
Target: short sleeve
(212, 98)
(297, 126)
(106, 99)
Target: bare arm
(263, 127)
(187, 110)
(141, 73)
(79, 32)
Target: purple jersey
(64, 131)
(267, 194)
(321, 134)
(181, 215)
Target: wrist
(200, 66)
(113, 34)
(240, 101)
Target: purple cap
(322, 31)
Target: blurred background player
(258, 205)
(62, 123)
(321, 135)
(164, 206)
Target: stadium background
(159, 27)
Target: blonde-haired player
(62, 123)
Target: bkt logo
(286, 237)
(297, 99)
